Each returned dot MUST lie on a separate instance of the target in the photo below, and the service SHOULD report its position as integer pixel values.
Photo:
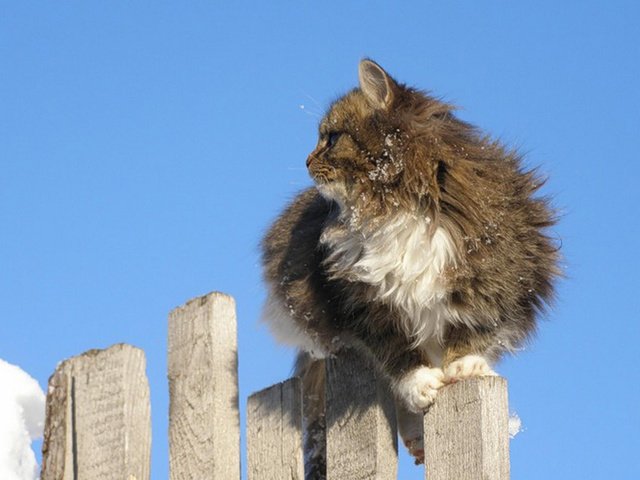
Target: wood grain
(467, 433)
(274, 433)
(361, 430)
(98, 417)
(204, 431)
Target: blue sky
(146, 146)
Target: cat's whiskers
(311, 113)
(316, 112)
(312, 99)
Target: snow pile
(515, 425)
(21, 421)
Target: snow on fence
(98, 415)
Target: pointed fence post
(98, 417)
(362, 441)
(466, 431)
(204, 425)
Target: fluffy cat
(421, 244)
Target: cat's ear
(376, 84)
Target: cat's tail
(312, 373)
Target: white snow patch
(515, 425)
(22, 408)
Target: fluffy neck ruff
(402, 259)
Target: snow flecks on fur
(280, 319)
(390, 162)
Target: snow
(515, 425)
(22, 408)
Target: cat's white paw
(419, 387)
(467, 367)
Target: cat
(422, 244)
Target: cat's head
(378, 145)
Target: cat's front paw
(467, 367)
(419, 387)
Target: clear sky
(146, 146)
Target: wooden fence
(98, 415)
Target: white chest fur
(403, 260)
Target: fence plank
(274, 433)
(204, 431)
(361, 430)
(98, 417)
(467, 433)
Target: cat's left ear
(376, 84)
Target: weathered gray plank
(466, 431)
(98, 417)
(204, 431)
(274, 433)
(361, 430)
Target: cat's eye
(332, 138)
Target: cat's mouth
(324, 177)
(318, 172)
(310, 159)
(311, 163)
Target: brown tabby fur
(388, 148)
